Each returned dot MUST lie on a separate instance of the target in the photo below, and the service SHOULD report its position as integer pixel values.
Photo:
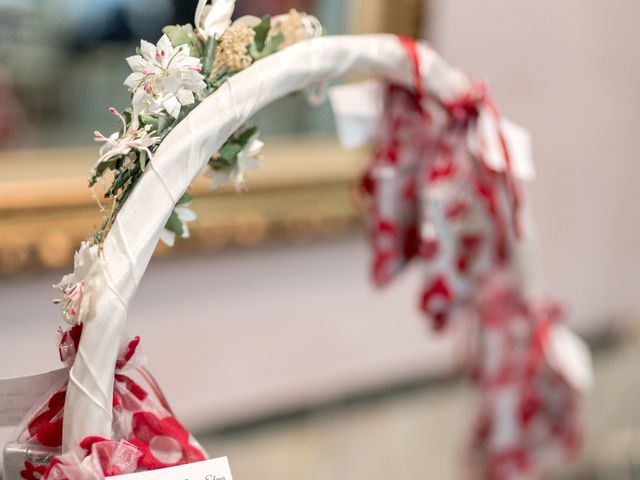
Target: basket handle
(177, 162)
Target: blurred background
(263, 329)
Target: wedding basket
(443, 190)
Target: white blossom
(185, 214)
(163, 78)
(79, 285)
(116, 144)
(212, 20)
(247, 160)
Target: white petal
(137, 63)
(84, 259)
(187, 61)
(219, 17)
(170, 83)
(68, 280)
(168, 237)
(140, 102)
(184, 54)
(171, 105)
(255, 147)
(219, 178)
(165, 49)
(154, 105)
(133, 80)
(200, 10)
(193, 81)
(185, 214)
(248, 163)
(185, 97)
(238, 178)
(148, 51)
(84, 308)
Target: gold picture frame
(46, 209)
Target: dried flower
(232, 52)
(295, 27)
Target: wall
(569, 71)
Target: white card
(518, 142)
(505, 431)
(215, 469)
(570, 356)
(357, 108)
(18, 395)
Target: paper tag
(569, 355)
(18, 395)
(216, 469)
(518, 142)
(357, 108)
(505, 430)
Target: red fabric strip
(411, 47)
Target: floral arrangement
(168, 80)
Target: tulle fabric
(146, 435)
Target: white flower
(185, 214)
(212, 20)
(247, 160)
(79, 285)
(163, 78)
(117, 144)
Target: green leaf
(103, 167)
(177, 34)
(264, 45)
(262, 31)
(164, 123)
(246, 135)
(217, 163)
(270, 47)
(186, 198)
(196, 49)
(183, 35)
(159, 123)
(174, 224)
(142, 160)
(127, 120)
(209, 56)
(220, 78)
(274, 43)
(150, 120)
(229, 152)
(119, 182)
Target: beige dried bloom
(232, 52)
(295, 27)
